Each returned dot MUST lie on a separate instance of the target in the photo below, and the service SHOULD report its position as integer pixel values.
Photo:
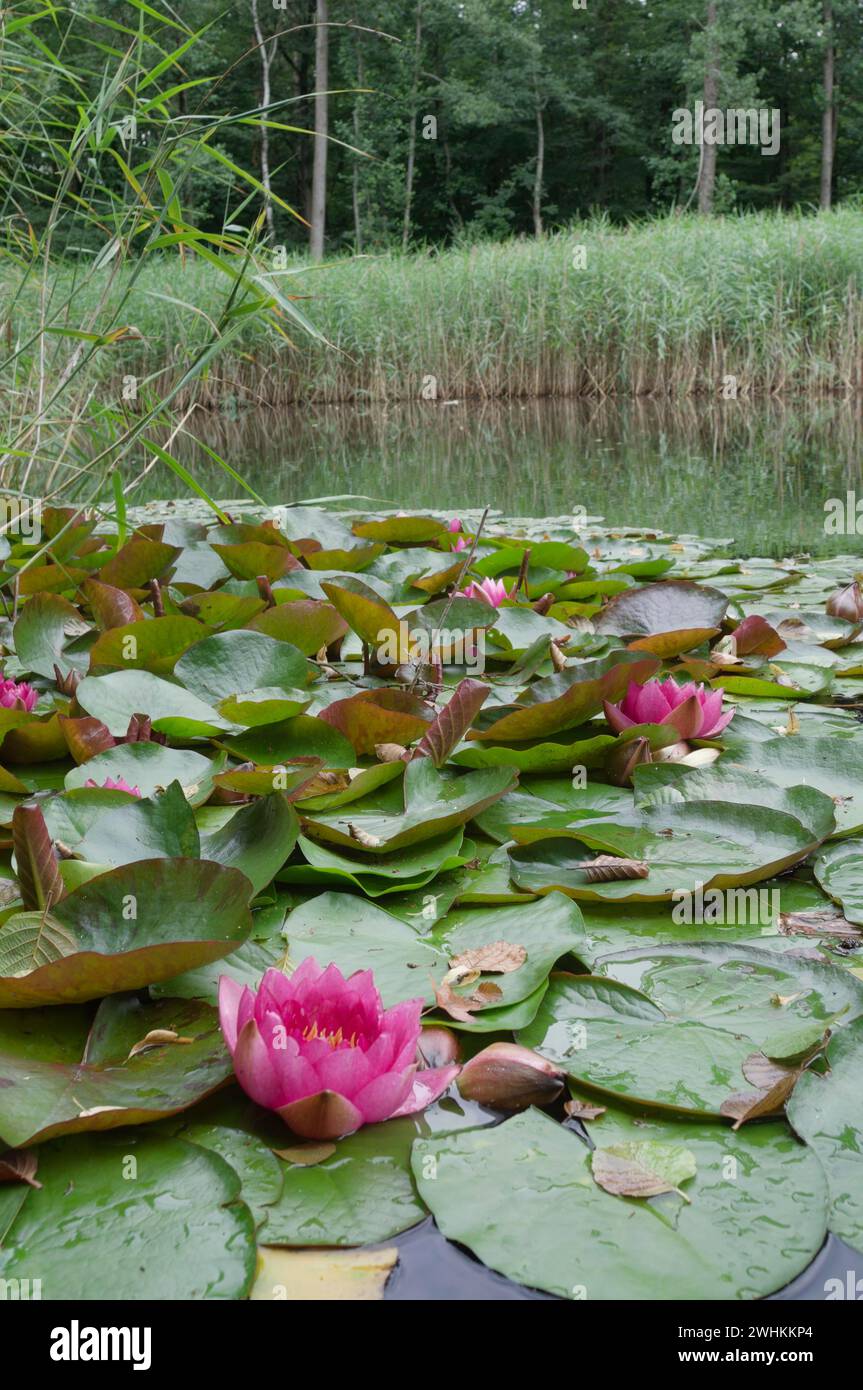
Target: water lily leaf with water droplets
(659, 1247)
(643, 1168)
(183, 1199)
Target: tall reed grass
(670, 308)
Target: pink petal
(384, 1096)
(254, 1069)
(721, 723)
(230, 993)
(686, 719)
(428, 1086)
(651, 704)
(616, 718)
(346, 1071)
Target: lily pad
(125, 929)
(433, 805)
(663, 1247)
(183, 1202)
(109, 1083)
(827, 1111)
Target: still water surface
(759, 474)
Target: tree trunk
(707, 167)
(266, 55)
(540, 167)
(319, 165)
(412, 133)
(355, 177)
(828, 118)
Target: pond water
(759, 474)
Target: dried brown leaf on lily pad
(19, 1165)
(158, 1037)
(583, 1110)
(495, 958)
(463, 1006)
(754, 1105)
(643, 1168)
(763, 1072)
(822, 922)
(306, 1155)
(608, 868)
(363, 838)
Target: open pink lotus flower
(18, 695)
(323, 1052)
(112, 784)
(492, 591)
(693, 711)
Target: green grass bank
(664, 309)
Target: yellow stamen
(311, 1032)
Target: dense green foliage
(214, 771)
(603, 80)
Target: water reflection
(758, 473)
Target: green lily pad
(151, 644)
(405, 868)
(827, 1111)
(658, 784)
(433, 805)
(614, 1039)
(839, 870)
(127, 928)
(150, 767)
(357, 935)
(183, 1201)
(686, 845)
(565, 699)
(106, 1085)
(116, 697)
(662, 1247)
(229, 662)
(834, 766)
(256, 840)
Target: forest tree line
(415, 122)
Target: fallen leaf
(362, 837)
(822, 922)
(495, 958)
(753, 1105)
(643, 1168)
(19, 1165)
(583, 1110)
(158, 1037)
(463, 1006)
(607, 868)
(763, 1072)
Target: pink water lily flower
(17, 695)
(693, 711)
(114, 784)
(454, 525)
(322, 1051)
(491, 591)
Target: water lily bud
(438, 1047)
(673, 753)
(508, 1077)
(847, 603)
(390, 752)
(623, 760)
